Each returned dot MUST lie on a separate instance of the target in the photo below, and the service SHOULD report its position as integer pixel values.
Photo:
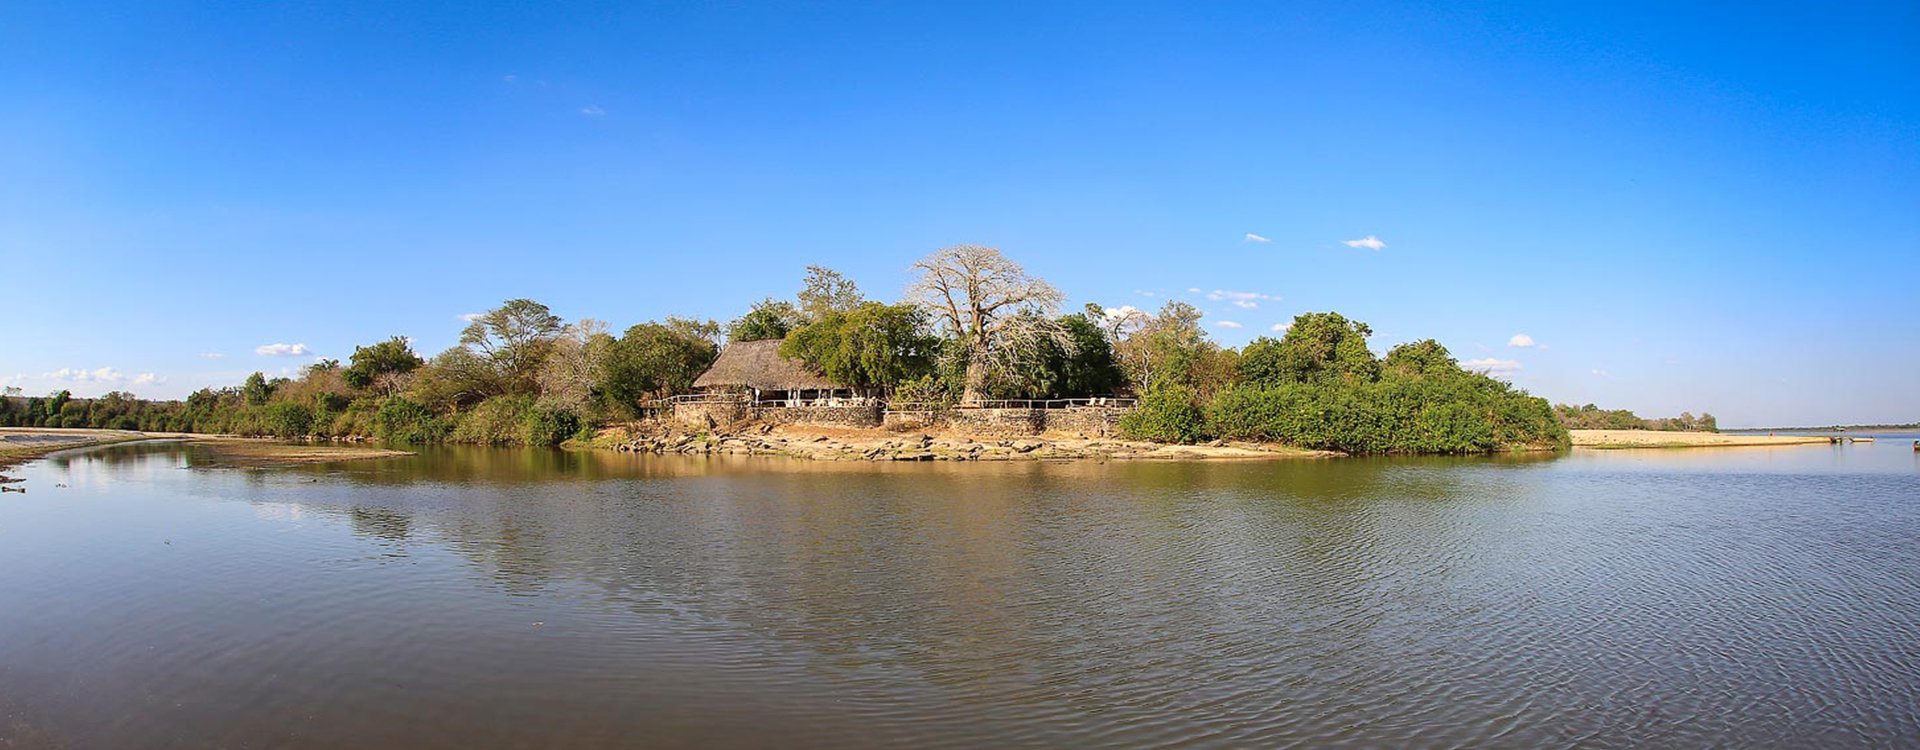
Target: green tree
(825, 291)
(1424, 358)
(513, 340)
(1317, 348)
(768, 319)
(256, 390)
(654, 360)
(369, 363)
(870, 346)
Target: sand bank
(1608, 439)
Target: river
(475, 598)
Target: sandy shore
(1609, 439)
(21, 444)
(850, 444)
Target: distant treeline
(1592, 417)
(974, 326)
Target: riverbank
(820, 443)
(1618, 439)
(21, 444)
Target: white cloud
(510, 78)
(1600, 373)
(1227, 324)
(101, 375)
(1520, 341)
(1492, 366)
(1121, 313)
(148, 378)
(470, 317)
(1369, 242)
(592, 111)
(1244, 300)
(212, 355)
(1280, 327)
(282, 350)
(1193, 290)
(1251, 237)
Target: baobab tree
(991, 306)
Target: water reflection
(525, 598)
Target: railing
(1021, 403)
(742, 399)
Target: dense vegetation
(1592, 417)
(1319, 386)
(975, 327)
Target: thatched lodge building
(756, 370)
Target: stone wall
(724, 414)
(999, 422)
(709, 414)
(833, 416)
(1081, 421)
(1085, 421)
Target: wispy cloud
(98, 375)
(148, 378)
(1521, 341)
(592, 111)
(470, 317)
(1193, 290)
(1369, 242)
(1227, 324)
(1280, 327)
(212, 355)
(282, 350)
(1600, 373)
(1251, 237)
(1246, 300)
(1492, 365)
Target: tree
(513, 339)
(256, 390)
(870, 346)
(1317, 348)
(1424, 358)
(578, 355)
(768, 319)
(976, 294)
(391, 357)
(653, 360)
(826, 291)
(1169, 346)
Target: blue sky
(1683, 208)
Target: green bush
(1447, 413)
(286, 420)
(1167, 415)
(546, 425)
(499, 420)
(401, 421)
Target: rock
(918, 456)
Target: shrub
(401, 421)
(545, 425)
(286, 420)
(1167, 415)
(500, 420)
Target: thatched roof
(758, 364)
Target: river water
(474, 598)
